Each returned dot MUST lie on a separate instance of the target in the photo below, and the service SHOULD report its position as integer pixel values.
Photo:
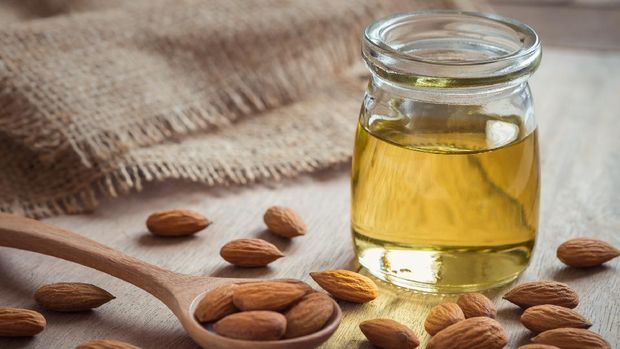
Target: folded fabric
(104, 96)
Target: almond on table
(71, 296)
(476, 304)
(442, 316)
(17, 322)
(284, 222)
(176, 222)
(250, 252)
(586, 252)
(572, 338)
(543, 292)
(389, 334)
(346, 285)
(545, 317)
(472, 333)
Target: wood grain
(577, 104)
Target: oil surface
(445, 206)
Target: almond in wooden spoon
(389, 334)
(545, 317)
(346, 285)
(284, 222)
(442, 316)
(538, 346)
(476, 304)
(543, 292)
(71, 296)
(472, 333)
(572, 338)
(216, 304)
(267, 295)
(252, 325)
(16, 322)
(309, 315)
(586, 252)
(250, 252)
(176, 222)
(106, 344)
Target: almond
(442, 316)
(545, 317)
(572, 338)
(106, 344)
(389, 334)
(71, 296)
(250, 252)
(15, 322)
(476, 304)
(472, 333)
(252, 325)
(216, 304)
(543, 292)
(309, 315)
(176, 222)
(346, 285)
(538, 346)
(284, 222)
(585, 252)
(268, 295)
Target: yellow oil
(445, 206)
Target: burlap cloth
(99, 97)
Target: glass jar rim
(515, 47)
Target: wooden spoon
(179, 292)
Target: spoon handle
(31, 235)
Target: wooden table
(578, 105)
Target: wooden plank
(576, 24)
(577, 102)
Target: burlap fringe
(133, 178)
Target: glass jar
(445, 183)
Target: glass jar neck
(450, 50)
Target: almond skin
(268, 295)
(442, 316)
(347, 285)
(216, 304)
(16, 322)
(538, 346)
(71, 296)
(472, 333)
(476, 304)
(572, 338)
(534, 293)
(546, 317)
(106, 344)
(252, 325)
(309, 315)
(250, 252)
(284, 222)
(585, 252)
(176, 222)
(389, 334)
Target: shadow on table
(230, 271)
(568, 274)
(148, 239)
(12, 284)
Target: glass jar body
(445, 185)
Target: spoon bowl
(181, 293)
